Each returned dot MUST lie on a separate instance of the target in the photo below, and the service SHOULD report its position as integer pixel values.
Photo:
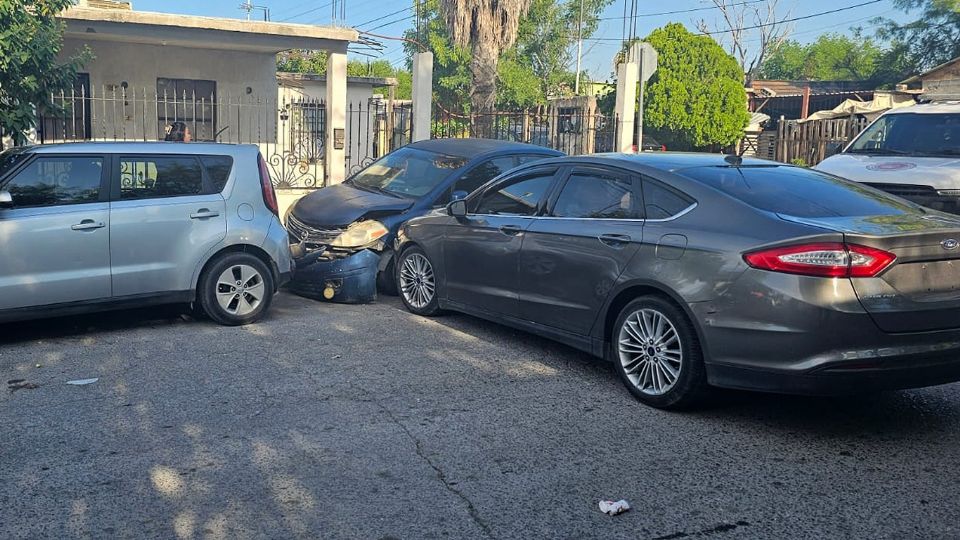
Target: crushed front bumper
(349, 278)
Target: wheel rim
(416, 280)
(650, 351)
(240, 290)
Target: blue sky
(598, 53)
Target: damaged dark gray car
(342, 236)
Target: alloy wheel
(240, 290)
(650, 351)
(416, 281)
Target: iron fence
(569, 130)
(291, 132)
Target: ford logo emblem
(950, 244)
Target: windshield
(911, 134)
(797, 192)
(408, 172)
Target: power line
(307, 12)
(706, 8)
(389, 23)
(794, 19)
(764, 25)
(399, 11)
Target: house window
(307, 127)
(75, 124)
(193, 102)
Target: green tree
(302, 61)
(830, 57)
(696, 99)
(31, 38)
(932, 39)
(537, 67)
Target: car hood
(937, 172)
(340, 205)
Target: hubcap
(416, 280)
(240, 290)
(650, 351)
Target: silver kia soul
(93, 226)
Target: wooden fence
(808, 141)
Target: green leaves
(30, 72)
(831, 57)
(696, 98)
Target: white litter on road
(81, 382)
(614, 507)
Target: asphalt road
(334, 421)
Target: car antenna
(733, 160)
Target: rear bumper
(351, 279)
(887, 374)
(794, 334)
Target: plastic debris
(81, 382)
(614, 507)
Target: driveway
(336, 421)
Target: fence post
(627, 75)
(422, 95)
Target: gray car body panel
(157, 255)
(752, 320)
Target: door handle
(88, 225)
(203, 213)
(615, 240)
(510, 230)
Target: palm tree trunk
(483, 95)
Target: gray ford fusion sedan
(689, 271)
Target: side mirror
(5, 199)
(457, 195)
(833, 148)
(457, 208)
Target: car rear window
(218, 169)
(798, 192)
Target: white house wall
(241, 77)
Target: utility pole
(576, 86)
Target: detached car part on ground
(911, 152)
(342, 236)
(689, 271)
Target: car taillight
(663, 148)
(269, 195)
(823, 260)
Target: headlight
(360, 234)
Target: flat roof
(297, 78)
(148, 27)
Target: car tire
(416, 282)
(236, 289)
(386, 280)
(657, 353)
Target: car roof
(469, 148)
(149, 147)
(664, 161)
(936, 107)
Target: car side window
(479, 175)
(518, 196)
(597, 194)
(661, 202)
(57, 180)
(152, 177)
(218, 170)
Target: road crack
(441, 475)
